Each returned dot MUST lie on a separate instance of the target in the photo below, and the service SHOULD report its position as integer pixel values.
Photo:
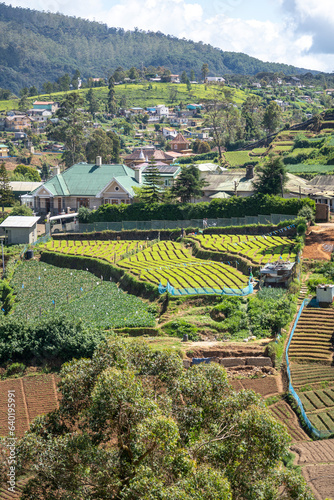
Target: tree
(70, 128)
(6, 192)
(133, 73)
(119, 74)
(28, 173)
(75, 79)
(272, 117)
(21, 210)
(104, 144)
(188, 184)
(133, 424)
(205, 71)
(152, 189)
(111, 103)
(93, 102)
(184, 77)
(273, 177)
(192, 75)
(33, 91)
(200, 147)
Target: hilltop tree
(93, 102)
(188, 184)
(184, 77)
(6, 192)
(273, 177)
(133, 424)
(104, 144)
(70, 128)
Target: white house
(19, 229)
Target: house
(17, 123)
(21, 188)
(45, 105)
(174, 78)
(214, 79)
(3, 150)
(169, 133)
(145, 154)
(194, 107)
(85, 184)
(19, 230)
(162, 110)
(179, 144)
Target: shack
(277, 274)
(325, 294)
(19, 230)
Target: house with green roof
(85, 185)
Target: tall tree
(111, 103)
(152, 190)
(70, 128)
(273, 177)
(6, 192)
(188, 184)
(205, 70)
(272, 117)
(93, 102)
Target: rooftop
(19, 221)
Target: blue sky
(298, 32)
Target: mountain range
(36, 47)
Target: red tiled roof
(179, 139)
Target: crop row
(171, 262)
(42, 288)
(317, 400)
(111, 251)
(258, 249)
(323, 421)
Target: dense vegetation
(232, 207)
(66, 44)
(133, 424)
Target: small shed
(277, 274)
(19, 229)
(325, 294)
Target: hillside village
(167, 277)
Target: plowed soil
(318, 242)
(317, 461)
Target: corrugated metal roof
(86, 179)
(24, 186)
(19, 221)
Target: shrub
(15, 368)
(180, 327)
(307, 212)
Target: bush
(15, 368)
(180, 327)
(307, 212)
(301, 229)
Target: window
(116, 188)
(82, 202)
(114, 202)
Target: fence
(150, 225)
(206, 290)
(316, 432)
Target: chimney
(56, 170)
(249, 171)
(98, 161)
(138, 175)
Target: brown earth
(224, 350)
(317, 461)
(318, 242)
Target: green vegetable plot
(111, 251)
(171, 262)
(257, 249)
(42, 288)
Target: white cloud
(292, 39)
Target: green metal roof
(86, 179)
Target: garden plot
(283, 412)
(171, 262)
(111, 251)
(43, 289)
(257, 249)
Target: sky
(298, 32)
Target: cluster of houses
(36, 118)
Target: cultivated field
(111, 251)
(42, 289)
(283, 412)
(34, 395)
(257, 249)
(171, 262)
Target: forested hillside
(37, 46)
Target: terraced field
(312, 373)
(313, 337)
(257, 249)
(171, 262)
(283, 412)
(111, 251)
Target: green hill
(37, 46)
